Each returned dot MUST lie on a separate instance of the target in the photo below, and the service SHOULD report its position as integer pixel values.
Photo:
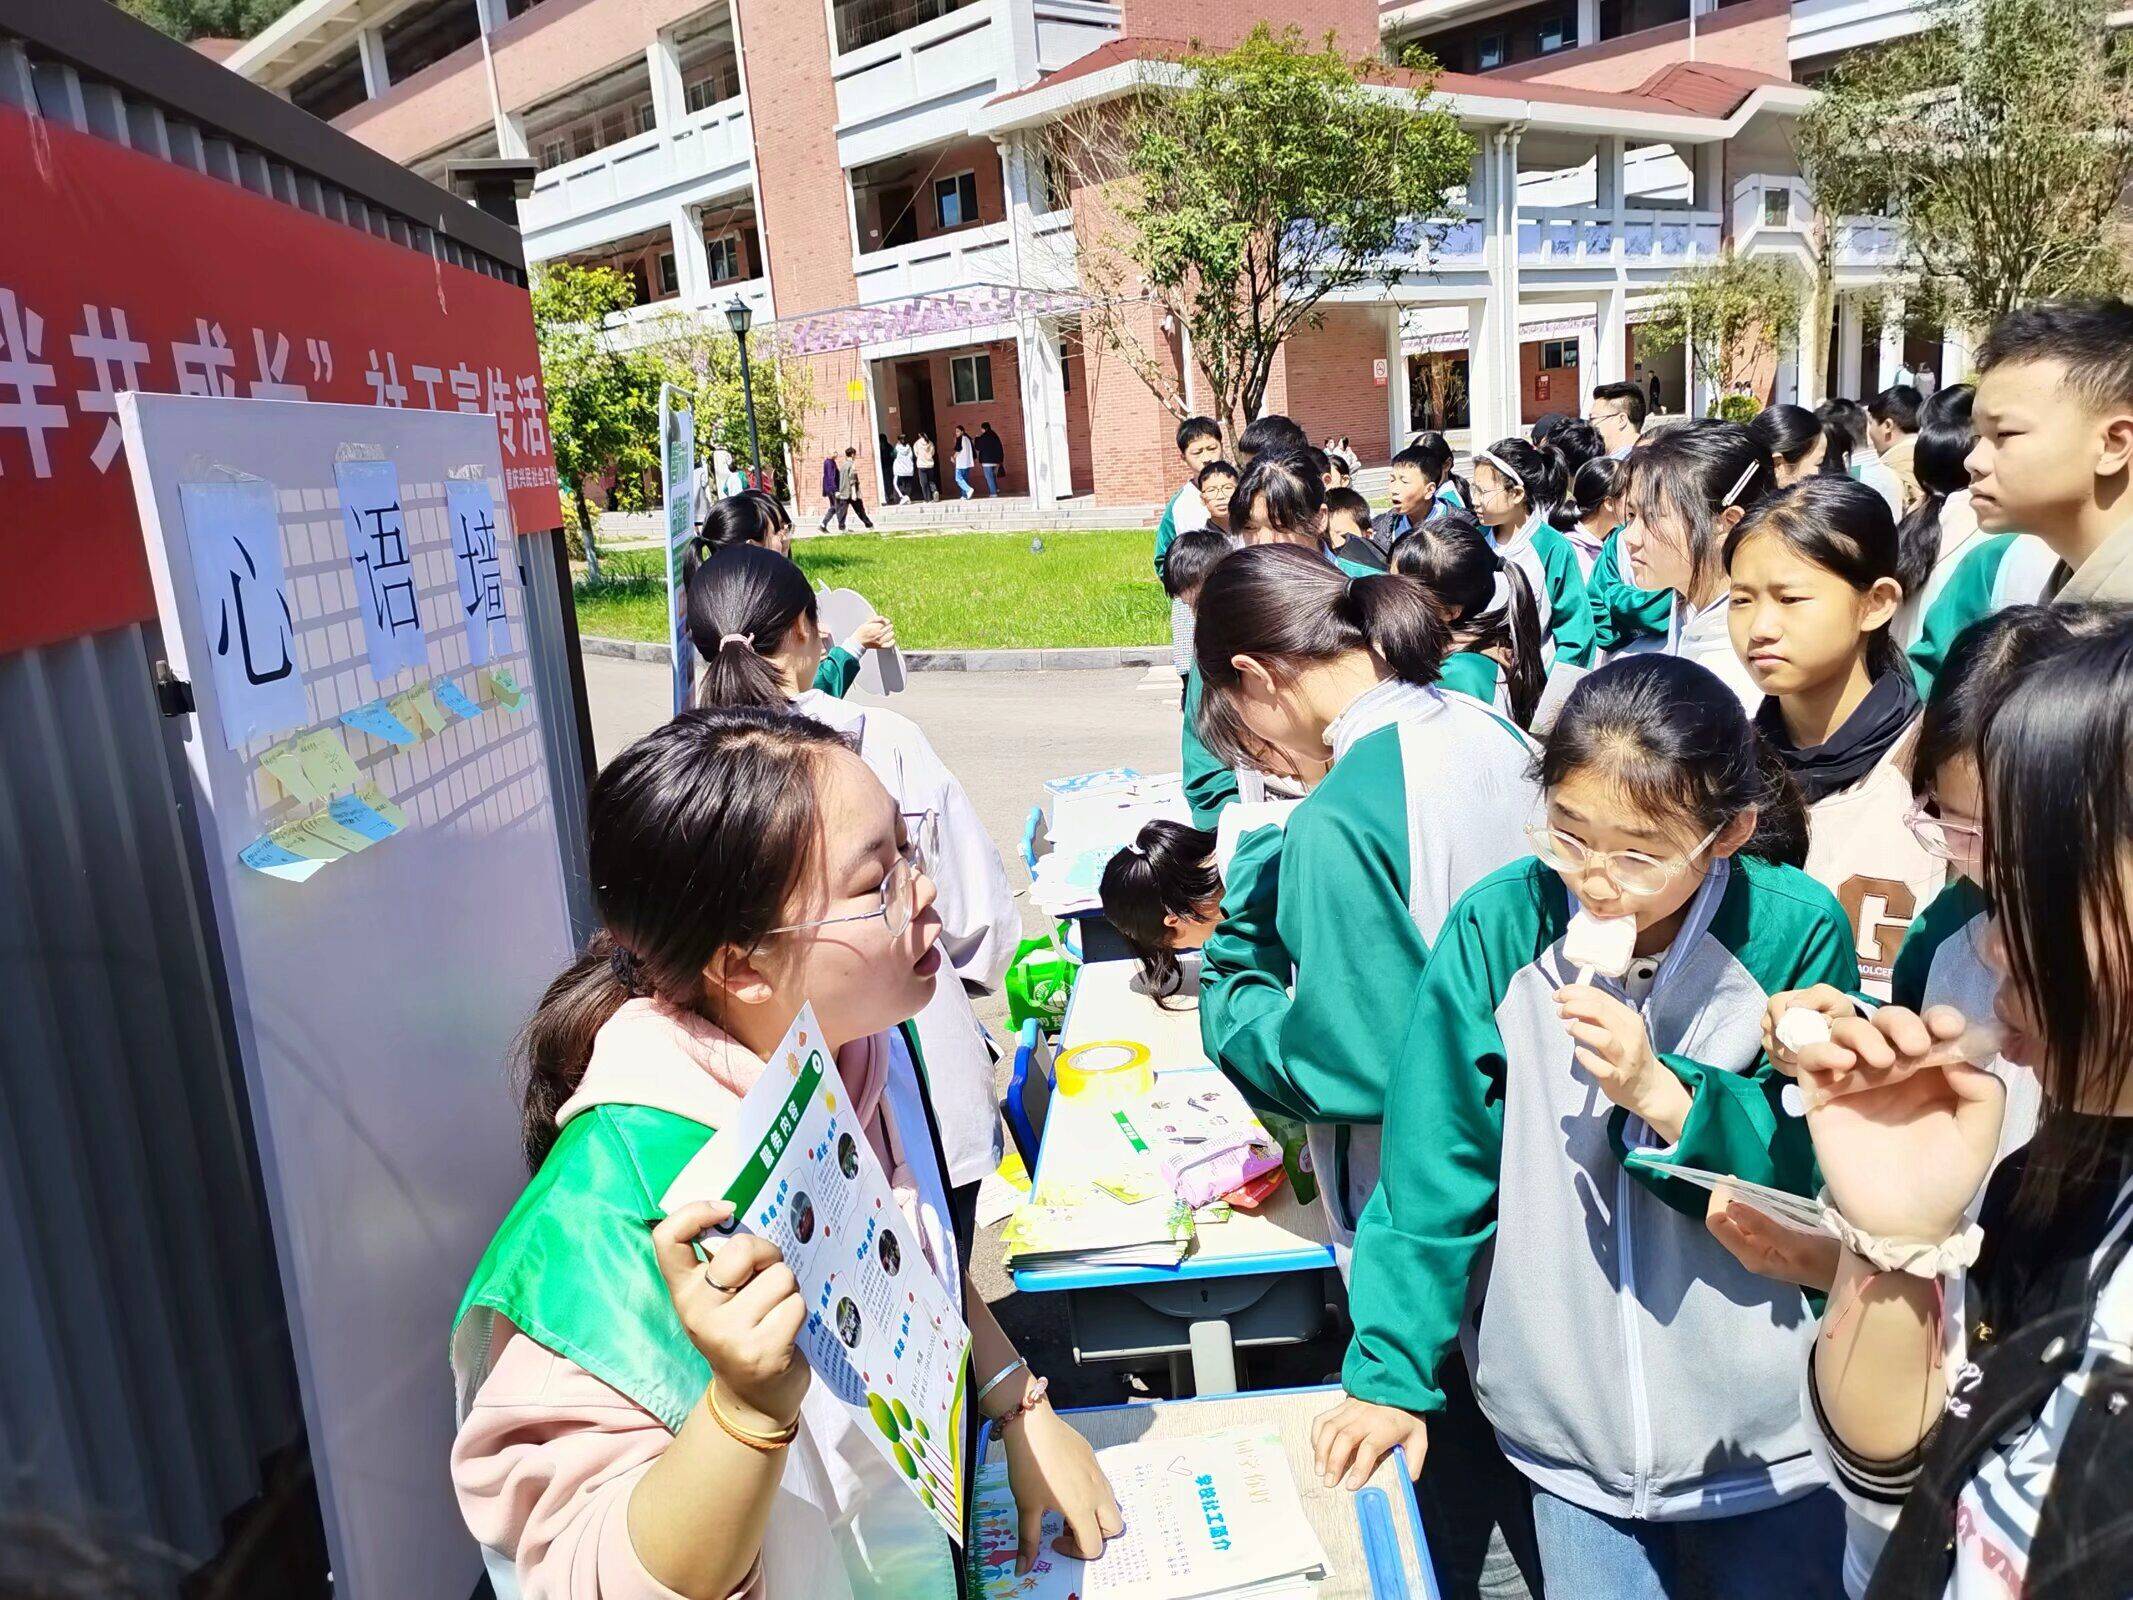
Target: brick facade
(1353, 22)
(1332, 388)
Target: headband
(1502, 466)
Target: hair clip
(1739, 484)
(1136, 848)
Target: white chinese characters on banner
(385, 577)
(235, 533)
(472, 514)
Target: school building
(870, 176)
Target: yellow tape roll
(1106, 1067)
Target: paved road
(1002, 733)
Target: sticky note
(357, 815)
(264, 855)
(327, 763)
(432, 713)
(507, 688)
(298, 840)
(322, 826)
(377, 720)
(375, 798)
(454, 699)
(402, 705)
(285, 763)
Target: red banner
(121, 271)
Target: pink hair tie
(742, 639)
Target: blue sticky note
(264, 855)
(453, 699)
(377, 720)
(352, 812)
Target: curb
(1076, 660)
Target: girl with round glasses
(1637, 1375)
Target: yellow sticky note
(328, 832)
(299, 840)
(374, 797)
(326, 761)
(285, 764)
(507, 687)
(402, 705)
(424, 700)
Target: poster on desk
(883, 1332)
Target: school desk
(1372, 1536)
(1255, 1281)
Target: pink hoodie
(548, 1455)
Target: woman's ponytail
(1781, 812)
(734, 674)
(1487, 602)
(742, 601)
(1168, 871)
(556, 1046)
(1525, 674)
(1395, 616)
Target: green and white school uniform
(1473, 673)
(837, 673)
(1620, 610)
(572, 1268)
(1209, 784)
(1628, 1363)
(1550, 563)
(2007, 569)
(1704, 638)
(1428, 793)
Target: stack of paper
(1215, 1516)
(1204, 1138)
(1125, 1221)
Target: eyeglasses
(1631, 871)
(899, 898)
(1950, 838)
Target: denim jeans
(1790, 1552)
(962, 481)
(992, 477)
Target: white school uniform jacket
(1429, 792)
(979, 923)
(1704, 639)
(1861, 850)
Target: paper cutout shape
(379, 553)
(508, 691)
(454, 699)
(355, 813)
(327, 763)
(377, 720)
(264, 855)
(249, 632)
(285, 765)
(472, 514)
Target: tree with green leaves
(703, 360)
(1732, 313)
(2001, 142)
(603, 399)
(207, 19)
(1242, 189)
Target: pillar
(1610, 340)
(1044, 437)
(1958, 356)
(663, 63)
(1851, 338)
(1588, 22)
(370, 49)
(1484, 387)
(1397, 400)
(692, 261)
(1891, 352)
(1499, 351)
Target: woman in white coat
(752, 615)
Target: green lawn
(954, 591)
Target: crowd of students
(1835, 708)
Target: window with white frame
(1557, 354)
(554, 152)
(1488, 52)
(647, 117)
(970, 380)
(1777, 207)
(725, 257)
(1555, 33)
(669, 273)
(955, 200)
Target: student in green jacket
(1281, 500)
(1416, 795)
(1487, 603)
(1644, 1383)
(1515, 486)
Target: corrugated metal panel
(149, 1366)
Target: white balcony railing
(665, 319)
(915, 87)
(973, 256)
(1637, 240)
(629, 186)
(1827, 27)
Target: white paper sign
(384, 573)
(883, 1333)
(843, 610)
(235, 532)
(476, 560)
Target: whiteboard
(373, 1005)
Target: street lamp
(739, 315)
